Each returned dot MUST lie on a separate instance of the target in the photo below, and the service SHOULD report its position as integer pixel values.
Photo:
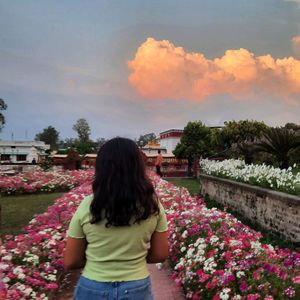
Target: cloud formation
(160, 70)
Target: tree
(85, 147)
(83, 144)
(281, 143)
(241, 131)
(3, 106)
(194, 143)
(47, 163)
(146, 138)
(292, 126)
(83, 130)
(247, 149)
(99, 143)
(219, 143)
(50, 136)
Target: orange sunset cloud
(160, 70)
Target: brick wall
(272, 210)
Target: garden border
(273, 210)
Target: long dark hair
(122, 191)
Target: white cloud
(160, 70)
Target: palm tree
(247, 149)
(281, 143)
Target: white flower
(21, 276)
(7, 257)
(224, 294)
(185, 233)
(213, 239)
(28, 291)
(239, 274)
(3, 266)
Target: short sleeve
(162, 220)
(75, 228)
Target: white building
(152, 149)
(22, 151)
(170, 138)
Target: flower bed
(214, 256)
(39, 181)
(31, 262)
(260, 175)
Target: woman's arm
(74, 256)
(159, 248)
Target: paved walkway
(163, 287)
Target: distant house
(152, 148)
(169, 139)
(166, 143)
(22, 151)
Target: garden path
(163, 286)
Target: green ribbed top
(115, 253)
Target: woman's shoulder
(85, 203)
(161, 208)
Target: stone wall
(273, 210)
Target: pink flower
(202, 276)
(253, 296)
(256, 275)
(296, 279)
(290, 292)
(243, 287)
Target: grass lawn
(17, 211)
(191, 184)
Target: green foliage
(236, 139)
(195, 141)
(65, 145)
(50, 136)
(219, 143)
(243, 130)
(83, 130)
(82, 147)
(85, 147)
(247, 149)
(46, 163)
(99, 143)
(295, 155)
(292, 126)
(82, 144)
(282, 143)
(3, 106)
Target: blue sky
(64, 60)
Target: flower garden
(213, 255)
(261, 175)
(46, 182)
